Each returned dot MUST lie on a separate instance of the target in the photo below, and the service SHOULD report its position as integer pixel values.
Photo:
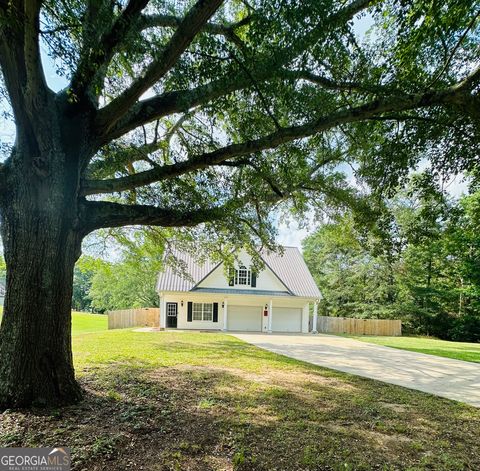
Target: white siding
(266, 279)
(242, 303)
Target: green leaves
(419, 262)
(340, 116)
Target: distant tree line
(420, 262)
(129, 282)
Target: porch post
(315, 318)
(163, 312)
(270, 316)
(225, 315)
(306, 318)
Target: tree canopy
(187, 112)
(128, 281)
(419, 263)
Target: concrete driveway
(453, 379)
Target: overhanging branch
(101, 214)
(169, 103)
(171, 21)
(94, 60)
(113, 123)
(189, 27)
(146, 111)
(367, 111)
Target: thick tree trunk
(41, 246)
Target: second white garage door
(244, 318)
(286, 319)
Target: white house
(275, 300)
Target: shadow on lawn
(218, 417)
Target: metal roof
(257, 292)
(288, 266)
(171, 279)
(292, 270)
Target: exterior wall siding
(232, 300)
(266, 279)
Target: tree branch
(470, 80)
(330, 84)
(180, 101)
(189, 27)
(94, 60)
(3, 178)
(285, 135)
(171, 21)
(101, 214)
(119, 157)
(454, 50)
(22, 69)
(169, 103)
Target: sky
(289, 234)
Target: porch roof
(254, 292)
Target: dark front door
(172, 311)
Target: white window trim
(242, 272)
(243, 276)
(203, 311)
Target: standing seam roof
(289, 266)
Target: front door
(172, 311)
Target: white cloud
(291, 234)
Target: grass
(201, 401)
(83, 322)
(457, 350)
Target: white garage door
(244, 318)
(286, 319)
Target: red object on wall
(265, 313)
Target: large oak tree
(180, 114)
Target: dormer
(242, 276)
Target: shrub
(466, 329)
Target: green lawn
(205, 401)
(458, 350)
(83, 322)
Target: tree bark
(41, 244)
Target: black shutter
(189, 311)
(215, 312)
(254, 279)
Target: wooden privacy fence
(145, 317)
(347, 325)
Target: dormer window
(242, 277)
